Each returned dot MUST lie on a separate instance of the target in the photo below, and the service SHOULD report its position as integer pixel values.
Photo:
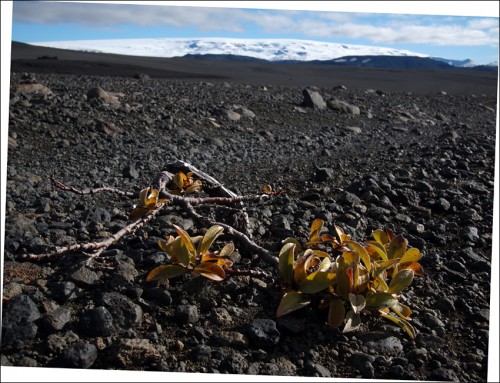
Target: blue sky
(455, 37)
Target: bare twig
(61, 186)
(99, 246)
(218, 195)
(266, 255)
(251, 273)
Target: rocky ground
(365, 159)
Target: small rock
(19, 313)
(129, 171)
(65, 291)
(231, 339)
(57, 319)
(235, 363)
(318, 370)
(158, 295)
(443, 374)
(187, 314)
(324, 174)
(343, 106)
(80, 355)
(84, 276)
(353, 129)
(97, 322)
(126, 314)
(382, 343)
(58, 342)
(124, 353)
(263, 333)
(470, 233)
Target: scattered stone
(80, 355)
(130, 171)
(133, 352)
(313, 99)
(126, 314)
(231, 339)
(101, 94)
(97, 322)
(235, 363)
(18, 317)
(32, 88)
(343, 106)
(263, 333)
(84, 276)
(56, 320)
(382, 343)
(324, 174)
(187, 314)
(227, 114)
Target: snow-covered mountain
(467, 63)
(271, 50)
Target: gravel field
(419, 163)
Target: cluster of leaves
(149, 197)
(193, 255)
(185, 183)
(335, 271)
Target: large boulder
(313, 99)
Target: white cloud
(484, 23)
(335, 25)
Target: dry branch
(218, 196)
(99, 246)
(61, 186)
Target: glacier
(265, 49)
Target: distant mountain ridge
(270, 50)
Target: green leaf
(195, 187)
(291, 301)
(404, 324)
(208, 239)
(380, 236)
(298, 246)
(375, 247)
(345, 283)
(357, 301)
(325, 264)
(381, 266)
(400, 281)
(397, 247)
(380, 299)
(299, 270)
(363, 254)
(179, 179)
(176, 249)
(350, 257)
(353, 321)
(316, 282)
(143, 196)
(227, 250)
(415, 266)
(336, 313)
(316, 227)
(286, 262)
(188, 242)
(341, 235)
(411, 255)
(380, 283)
(165, 272)
(402, 310)
(211, 271)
